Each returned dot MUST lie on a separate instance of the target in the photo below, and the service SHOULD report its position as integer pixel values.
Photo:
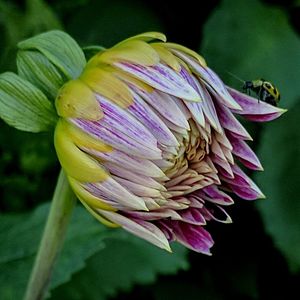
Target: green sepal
(36, 68)
(60, 49)
(90, 51)
(24, 106)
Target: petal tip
(168, 248)
(282, 110)
(261, 196)
(228, 220)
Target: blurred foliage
(259, 43)
(110, 251)
(121, 264)
(280, 182)
(19, 23)
(258, 257)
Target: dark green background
(256, 257)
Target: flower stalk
(61, 209)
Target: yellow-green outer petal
(87, 197)
(76, 100)
(75, 162)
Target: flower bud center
(192, 170)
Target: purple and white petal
(254, 110)
(213, 194)
(229, 122)
(245, 154)
(142, 111)
(192, 236)
(143, 229)
(211, 80)
(111, 189)
(192, 216)
(147, 181)
(166, 106)
(117, 139)
(162, 78)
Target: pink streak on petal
(217, 196)
(263, 118)
(192, 236)
(229, 122)
(245, 154)
(192, 216)
(242, 185)
(223, 164)
(196, 202)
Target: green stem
(61, 209)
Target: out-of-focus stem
(61, 209)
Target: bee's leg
(259, 94)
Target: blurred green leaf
(23, 106)
(108, 22)
(11, 19)
(280, 155)
(19, 23)
(253, 40)
(119, 266)
(20, 235)
(28, 168)
(38, 22)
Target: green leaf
(280, 155)
(119, 266)
(20, 235)
(61, 50)
(90, 51)
(36, 68)
(23, 106)
(253, 40)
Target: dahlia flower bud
(149, 140)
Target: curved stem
(61, 209)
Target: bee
(265, 90)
